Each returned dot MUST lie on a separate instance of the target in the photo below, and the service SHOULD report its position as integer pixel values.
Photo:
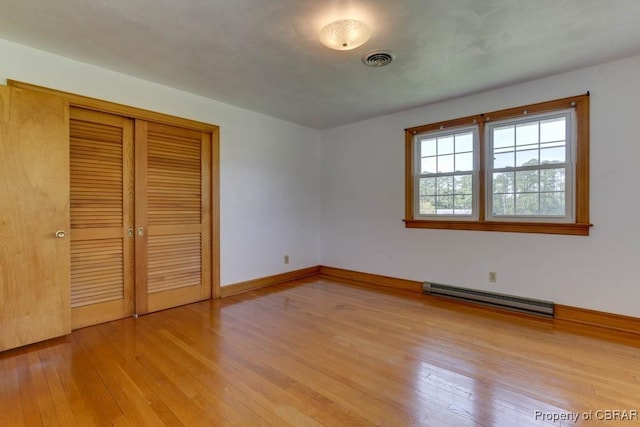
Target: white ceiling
(264, 55)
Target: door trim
(118, 109)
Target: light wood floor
(314, 353)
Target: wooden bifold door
(140, 216)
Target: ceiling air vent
(378, 58)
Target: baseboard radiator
(508, 302)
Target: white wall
(272, 197)
(270, 169)
(363, 202)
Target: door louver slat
(98, 253)
(174, 198)
(96, 172)
(96, 273)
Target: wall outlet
(286, 259)
(493, 277)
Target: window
(530, 173)
(447, 175)
(521, 170)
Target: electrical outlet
(493, 277)
(286, 259)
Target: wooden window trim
(580, 227)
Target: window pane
(428, 147)
(503, 160)
(503, 182)
(527, 204)
(445, 185)
(553, 129)
(527, 133)
(444, 205)
(527, 157)
(445, 164)
(552, 204)
(552, 180)
(503, 136)
(552, 155)
(462, 205)
(518, 193)
(464, 162)
(503, 204)
(427, 186)
(429, 165)
(445, 145)
(427, 205)
(464, 142)
(463, 184)
(527, 181)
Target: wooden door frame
(139, 113)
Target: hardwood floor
(315, 352)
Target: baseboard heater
(508, 302)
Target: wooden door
(173, 216)
(34, 204)
(102, 198)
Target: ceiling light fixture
(345, 34)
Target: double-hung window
(447, 174)
(524, 169)
(530, 168)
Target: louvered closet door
(173, 212)
(101, 165)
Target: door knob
(60, 234)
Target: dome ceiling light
(345, 34)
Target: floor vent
(509, 302)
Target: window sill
(509, 227)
